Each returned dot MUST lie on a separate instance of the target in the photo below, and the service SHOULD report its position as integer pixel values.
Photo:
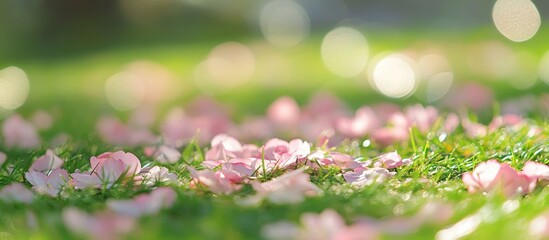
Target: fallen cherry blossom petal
(16, 192)
(47, 162)
(99, 226)
(19, 133)
(492, 175)
(369, 176)
(144, 204)
(51, 184)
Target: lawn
(422, 196)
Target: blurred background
(115, 55)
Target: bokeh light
(160, 83)
(284, 23)
(438, 85)
(394, 76)
(125, 91)
(344, 52)
(493, 60)
(14, 88)
(544, 68)
(517, 20)
(431, 64)
(526, 75)
(228, 65)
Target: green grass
(72, 88)
(434, 175)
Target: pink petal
(85, 180)
(284, 112)
(16, 192)
(19, 133)
(47, 162)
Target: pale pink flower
(255, 128)
(363, 176)
(451, 123)
(223, 149)
(364, 121)
(47, 162)
(421, 117)
(536, 172)
(324, 105)
(491, 175)
(291, 187)
(214, 181)
(16, 192)
(285, 153)
(471, 95)
(108, 168)
(176, 128)
(340, 160)
(284, 112)
(387, 136)
(509, 120)
(144, 204)
(99, 226)
(50, 184)
(3, 158)
(474, 130)
(20, 133)
(391, 160)
(164, 154)
(115, 132)
(159, 175)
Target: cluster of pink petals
(204, 118)
(367, 176)
(230, 163)
(156, 175)
(291, 187)
(492, 176)
(144, 204)
(16, 192)
(50, 184)
(115, 132)
(324, 120)
(107, 169)
(99, 226)
(163, 154)
(379, 172)
(46, 175)
(216, 182)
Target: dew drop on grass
(442, 137)
(366, 143)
